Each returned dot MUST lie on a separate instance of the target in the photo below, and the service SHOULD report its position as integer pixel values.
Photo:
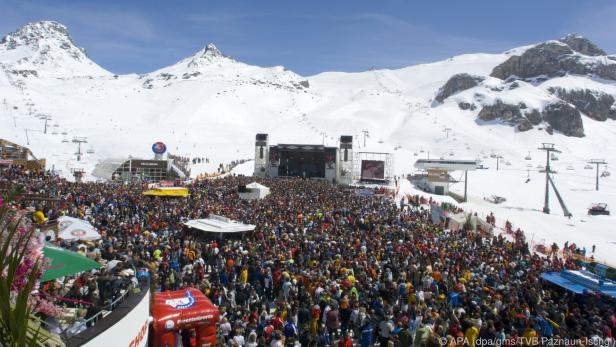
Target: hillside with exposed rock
(529, 75)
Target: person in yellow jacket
(244, 275)
(530, 336)
(156, 254)
(471, 335)
(412, 298)
(467, 275)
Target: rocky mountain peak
(205, 56)
(37, 34)
(212, 50)
(582, 45)
(557, 58)
(45, 48)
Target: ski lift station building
(437, 179)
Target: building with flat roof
(126, 169)
(17, 155)
(437, 177)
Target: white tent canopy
(254, 191)
(219, 224)
(456, 221)
(73, 229)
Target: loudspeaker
(261, 154)
(346, 142)
(261, 139)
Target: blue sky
(311, 36)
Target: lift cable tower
(366, 134)
(498, 158)
(447, 130)
(28, 137)
(46, 118)
(29, 105)
(79, 141)
(597, 162)
(549, 149)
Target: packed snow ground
(211, 106)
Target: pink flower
(46, 307)
(1, 202)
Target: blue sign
(159, 148)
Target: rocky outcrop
(456, 84)
(560, 116)
(582, 45)
(500, 110)
(524, 125)
(544, 59)
(516, 115)
(607, 71)
(596, 105)
(187, 75)
(467, 106)
(564, 118)
(555, 58)
(24, 73)
(534, 117)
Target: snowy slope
(209, 105)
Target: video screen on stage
(372, 169)
(302, 164)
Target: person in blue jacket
(367, 333)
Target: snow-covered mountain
(550, 85)
(45, 50)
(209, 105)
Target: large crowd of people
(326, 266)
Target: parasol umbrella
(64, 262)
(73, 229)
(112, 264)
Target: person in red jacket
(346, 341)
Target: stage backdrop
(373, 169)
